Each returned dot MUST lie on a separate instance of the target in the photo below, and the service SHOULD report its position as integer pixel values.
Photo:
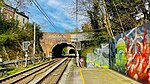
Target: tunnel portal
(57, 49)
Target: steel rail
(41, 66)
(51, 70)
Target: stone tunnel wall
(51, 39)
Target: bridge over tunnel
(53, 43)
(64, 49)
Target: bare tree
(96, 12)
(19, 5)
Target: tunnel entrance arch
(57, 49)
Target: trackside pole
(77, 59)
(26, 59)
(34, 43)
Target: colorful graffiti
(130, 53)
(99, 58)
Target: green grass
(13, 70)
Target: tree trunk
(6, 54)
(20, 48)
(108, 24)
(13, 17)
(119, 17)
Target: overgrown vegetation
(123, 13)
(86, 50)
(64, 51)
(108, 18)
(12, 37)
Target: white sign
(25, 45)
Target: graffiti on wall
(130, 53)
(99, 58)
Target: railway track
(37, 74)
(54, 77)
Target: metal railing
(19, 61)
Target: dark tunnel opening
(57, 50)
(71, 51)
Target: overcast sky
(59, 12)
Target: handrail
(16, 61)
